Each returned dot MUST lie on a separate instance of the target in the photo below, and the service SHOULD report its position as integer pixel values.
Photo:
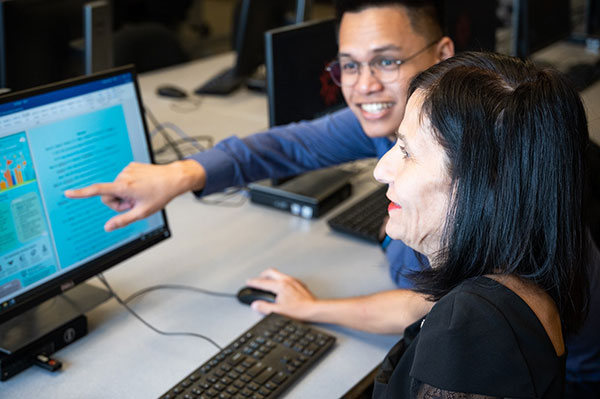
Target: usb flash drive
(46, 362)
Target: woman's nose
(383, 170)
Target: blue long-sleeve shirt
(338, 138)
(295, 148)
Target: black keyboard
(223, 83)
(364, 219)
(261, 363)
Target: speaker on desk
(98, 38)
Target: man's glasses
(345, 72)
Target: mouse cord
(175, 287)
(150, 326)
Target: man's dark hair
(425, 15)
(515, 137)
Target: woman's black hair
(515, 137)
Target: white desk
(216, 248)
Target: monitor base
(46, 328)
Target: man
(392, 39)
(382, 45)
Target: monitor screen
(57, 137)
(298, 86)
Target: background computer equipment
(365, 218)
(539, 23)
(35, 42)
(46, 41)
(471, 24)
(98, 38)
(592, 18)
(252, 19)
(309, 195)
(298, 86)
(57, 137)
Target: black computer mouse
(247, 295)
(171, 91)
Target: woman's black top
(481, 340)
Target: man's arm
(286, 151)
(142, 189)
(387, 312)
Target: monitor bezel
(80, 274)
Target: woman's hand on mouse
(293, 298)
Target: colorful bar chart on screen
(16, 168)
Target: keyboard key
(257, 369)
(233, 374)
(236, 359)
(239, 384)
(279, 377)
(219, 387)
(253, 386)
(264, 376)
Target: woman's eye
(403, 150)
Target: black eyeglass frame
(336, 63)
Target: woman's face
(419, 185)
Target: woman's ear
(444, 49)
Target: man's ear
(444, 49)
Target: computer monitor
(298, 86)
(539, 23)
(252, 19)
(592, 18)
(38, 37)
(53, 138)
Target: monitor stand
(46, 328)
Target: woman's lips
(393, 206)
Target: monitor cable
(232, 197)
(150, 326)
(162, 131)
(198, 142)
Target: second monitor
(298, 86)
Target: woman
(486, 179)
